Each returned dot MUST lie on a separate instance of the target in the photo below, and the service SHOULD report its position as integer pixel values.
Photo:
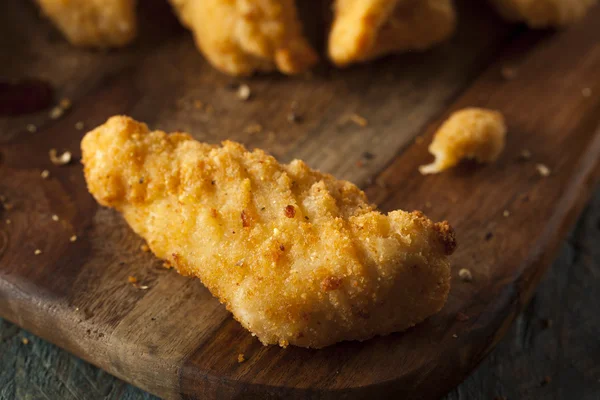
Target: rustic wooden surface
(175, 339)
(556, 336)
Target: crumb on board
(509, 73)
(470, 133)
(31, 128)
(465, 275)
(506, 213)
(56, 113)
(73, 238)
(454, 335)
(37, 252)
(525, 155)
(586, 92)
(241, 358)
(198, 104)
(132, 279)
(543, 170)
(358, 120)
(65, 103)
(25, 341)
(244, 92)
(79, 125)
(8, 222)
(62, 159)
(45, 174)
(55, 218)
(145, 248)
(253, 129)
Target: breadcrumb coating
(472, 133)
(366, 29)
(93, 23)
(241, 37)
(297, 256)
(544, 13)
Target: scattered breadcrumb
(45, 174)
(359, 120)
(465, 275)
(56, 112)
(543, 170)
(144, 247)
(62, 159)
(54, 217)
(525, 155)
(132, 279)
(8, 206)
(586, 92)
(244, 92)
(73, 238)
(31, 128)
(142, 287)
(254, 128)
(79, 125)
(506, 213)
(65, 103)
(37, 252)
(454, 335)
(25, 341)
(472, 133)
(241, 358)
(509, 73)
(8, 222)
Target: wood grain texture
(174, 339)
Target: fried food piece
(544, 13)
(472, 133)
(93, 23)
(240, 37)
(366, 29)
(297, 256)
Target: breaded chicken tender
(471, 133)
(297, 256)
(366, 29)
(544, 13)
(93, 23)
(240, 37)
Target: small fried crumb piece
(144, 247)
(472, 133)
(8, 222)
(73, 238)
(65, 103)
(543, 170)
(586, 92)
(31, 128)
(465, 275)
(244, 92)
(508, 73)
(525, 155)
(37, 252)
(506, 213)
(63, 159)
(56, 113)
(454, 335)
(359, 120)
(54, 217)
(131, 279)
(253, 129)
(79, 125)
(241, 358)
(25, 341)
(45, 174)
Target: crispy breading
(366, 29)
(472, 133)
(297, 256)
(93, 23)
(544, 13)
(240, 37)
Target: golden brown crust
(471, 133)
(241, 37)
(93, 23)
(296, 255)
(367, 29)
(544, 13)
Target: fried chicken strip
(297, 256)
(544, 13)
(93, 23)
(240, 37)
(366, 29)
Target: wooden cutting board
(173, 338)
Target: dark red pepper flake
(245, 219)
(281, 247)
(290, 211)
(489, 235)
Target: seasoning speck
(290, 211)
(45, 174)
(294, 118)
(25, 340)
(489, 235)
(54, 217)
(144, 247)
(244, 92)
(586, 92)
(65, 103)
(241, 358)
(359, 120)
(198, 104)
(73, 238)
(368, 156)
(131, 279)
(79, 125)
(465, 275)
(56, 113)
(506, 213)
(543, 170)
(37, 252)
(62, 159)
(31, 128)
